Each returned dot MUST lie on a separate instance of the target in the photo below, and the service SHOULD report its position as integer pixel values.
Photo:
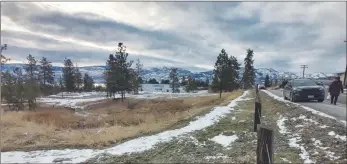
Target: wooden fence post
(264, 146)
(256, 119)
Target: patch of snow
(281, 125)
(286, 160)
(218, 156)
(233, 118)
(305, 107)
(323, 126)
(304, 154)
(136, 145)
(332, 133)
(328, 153)
(223, 140)
(299, 126)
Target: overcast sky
(283, 35)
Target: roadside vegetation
(312, 143)
(106, 123)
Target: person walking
(334, 89)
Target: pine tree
(222, 73)
(234, 73)
(249, 73)
(69, 76)
(138, 79)
(61, 86)
(267, 81)
(78, 78)
(118, 73)
(8, 89)
(19, 89)
(123, 67)
(153, 81)
(174, 80)
(88, 83)
(111, 77)
(32, 88)
(46, 76)
(191, 84)
(184, 81)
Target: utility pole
(303, 70)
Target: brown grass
(108, 122)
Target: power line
(303, 70)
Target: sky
(190, 35)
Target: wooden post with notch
(265, 145)
(257, 109)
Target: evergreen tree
(123, 67)
(165, 81)
(184, 81)
(191, 84)
(46, 76)
(222, 73)
(153, 81)
(69, 76)
(138, 79)
(32, 88)
(235, 68)
(174, 80)
(61, 86)
(88, 83)
(78, 78)
(249, 73)
(19, 89)
(111, 77)
(8, 89)
(267, 81)
(118, 73)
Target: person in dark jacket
(334, 89)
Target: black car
(303, 90)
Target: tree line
(38, 79)
(120, 78)
(226, 73)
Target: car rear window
(303, 83)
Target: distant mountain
(163, 73)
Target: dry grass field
(103, 124)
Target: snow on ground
(132, 146)
(299, 105)
(218, 156)
(281, 125)
(293, 141)
(223, 140)
(318, 144)
(332, 133)
(73, 100)
(286, 160)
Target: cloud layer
(284, 35)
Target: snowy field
(74, 100)
(132, 146)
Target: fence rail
(265, 135)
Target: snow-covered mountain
(163, 73)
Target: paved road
(338, 111)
